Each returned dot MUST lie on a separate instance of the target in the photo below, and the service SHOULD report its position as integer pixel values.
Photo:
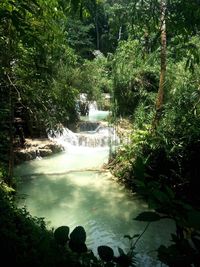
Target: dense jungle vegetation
(146, 54)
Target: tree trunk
(81, 11)
(97, 31)
(7, 73)
(160, 96)
(97, 25)
(11, 138)
(120, 33)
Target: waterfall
(102, 136)
(96, 114)
(91, 132)
(63, 137)
(92, 106)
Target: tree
(160, 96)
(12, 17)
(34, 50)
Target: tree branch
(18, 93)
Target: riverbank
(34, 148)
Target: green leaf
(121, 252)
(148, 216)
(153, 204)
(194, 219)
(77, 247)
(105, 253)
(139, 183)
(78, 235)
(161, 196)
(139, 168)
(61, 235)
(196, 240)
(170, 192)
(124, 261)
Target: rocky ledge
(34, 148)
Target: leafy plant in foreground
(185, 248)
(76, 243)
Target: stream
(71, 188)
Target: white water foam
(103, 136)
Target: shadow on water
(86, 191)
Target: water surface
(65, 191)
(71, 189)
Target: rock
(34, 148)
(45, 152)
(21, 156)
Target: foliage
(78, 37)
(61, 235)
(78, 239)
(34, 51)
(184, 250)
(94, 78)
(106, 253)
(135, 80)
(162, 166)
(169, 152)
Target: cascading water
(102, 136)
(94, 113)
(71, 189)
(64, 137)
